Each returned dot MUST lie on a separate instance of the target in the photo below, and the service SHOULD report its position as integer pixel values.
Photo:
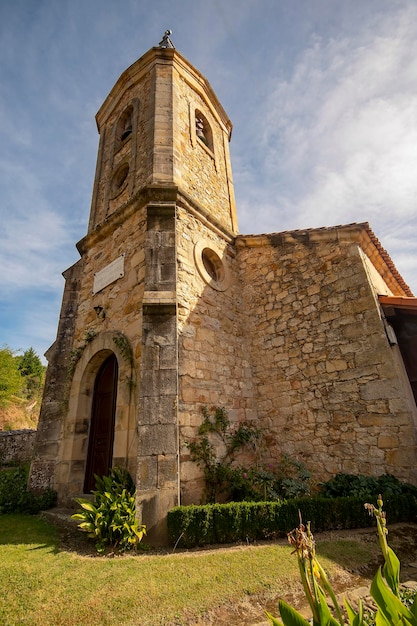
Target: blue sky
(322, 95)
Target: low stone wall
(16, 446)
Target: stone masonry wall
(137, 154)
(121, 300)
(92, 339)
(52, 413)
(329, 388)
(201, 173)
(214, 366)
(157, 478)
(16, 446)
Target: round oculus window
(119, 179)
(212, 264)
(211, 267)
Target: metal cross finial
(166, 41)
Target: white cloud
(32, 236)
(345, 125)
(337, 137)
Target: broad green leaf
(413, 608)
(382, 620)
(388, 603)
(391, 570)
(88, 506)
(273, 619)
(80, 500)
(326, 618)
(355, 619)
(290, 616)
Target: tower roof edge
(143, 65)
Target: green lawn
(44, 585)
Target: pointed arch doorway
(100, 443)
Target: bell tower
(162, 126)
(162, 217)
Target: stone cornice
(149, 194)
(186, 202)
(155, 194)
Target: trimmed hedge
(190, 526)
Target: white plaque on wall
(113, 271)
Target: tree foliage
(33, 372)
(20, 375)
(11, 381)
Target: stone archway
(74, 454)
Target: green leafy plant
(289, 478)
(125, 347)
(15, 497)
(216, 447)
(111, 518)
(348, 485)
(385, 587)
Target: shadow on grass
(39, 533)
(32, 530)
(348, 547)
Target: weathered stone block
(41, 475)
(387, 441)
(159, 409)
(148, 472)
(159, 383)
(379, 389)
(157, 439)
(404, 457)
(167, 470)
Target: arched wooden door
(100, 444)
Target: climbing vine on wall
(75, 355)
(222, 450)
(216, 447)
(125, 348)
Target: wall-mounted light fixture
(100, 312)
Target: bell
(126, 133)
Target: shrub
(288, 478)
(194, 525)
(111, 518)
(346, 485)
(15, 497)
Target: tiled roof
(388, 261)
(399, 302)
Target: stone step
(60, 516)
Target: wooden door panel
(100, 446)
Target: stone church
(311, 334)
